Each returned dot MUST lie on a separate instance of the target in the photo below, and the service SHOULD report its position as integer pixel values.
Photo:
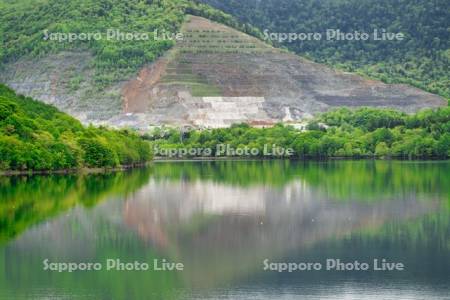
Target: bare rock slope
(214, 77)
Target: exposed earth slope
(214, 77)
(421, 59)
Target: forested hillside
(422, 59)
(26, 28)
(36, 136)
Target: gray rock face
(215, 77)
(65, 80)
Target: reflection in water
(26, 200)
(222, 219)
(226, 227)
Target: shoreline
(79, 171)
(82, 171)
(213, 158)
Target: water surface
(222, 220)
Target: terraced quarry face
(214, 77)
(204, 81)
(217, 76)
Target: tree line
(36, 136)
(361, 133)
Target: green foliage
(98, 153)
(28, 200)
(422, 59)
(366, 118)
(36, 136)
(365, 132)
(25, 24)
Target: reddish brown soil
(136, 93)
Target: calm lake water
(222, 220)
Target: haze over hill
(214, 77)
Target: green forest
(36, 136)
(422, 59)
(362, 133)
(25, 24)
